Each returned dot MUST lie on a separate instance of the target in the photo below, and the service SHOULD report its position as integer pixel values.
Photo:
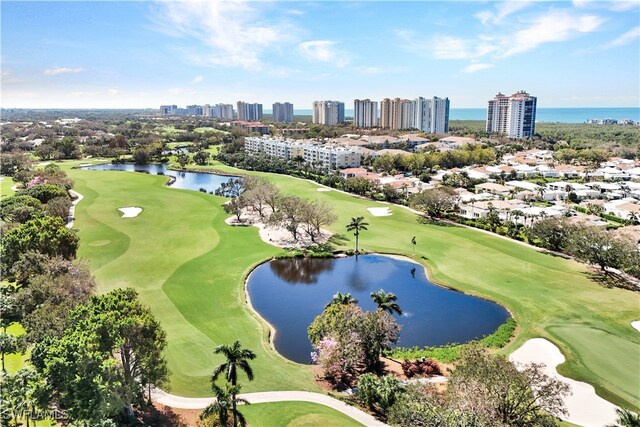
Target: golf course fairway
(189, 267)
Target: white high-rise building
(439, 115)
(513, 115)
(249, 112)
(365, 113)
(328, 112)
(282, 112)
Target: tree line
(92, 357)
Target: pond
(184, 180)
(290, 293)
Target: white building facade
(513, 115)
(327, 156)
(365, 113)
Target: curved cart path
(179, 402)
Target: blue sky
(143, 54)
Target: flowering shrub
(36, 181)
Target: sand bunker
(380, 211)
(584, 406)
(636, 325)
(130, 212)
(273, 235)
(323, 189)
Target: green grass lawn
(295, 414)
(189, 266)
(15, 361)
(5, 186)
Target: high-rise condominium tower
(513, 115)
(282, 112)
(250, 112)
(365, 113)
(328, 112)
(428, 115)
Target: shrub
(421, 367)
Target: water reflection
(304, 271)
(195, 181)
(437, 315)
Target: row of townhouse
(327, 156)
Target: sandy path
(585, 407)
(72, 209)
(172, 401)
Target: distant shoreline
(574, 115)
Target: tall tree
(356, 225)
(99, 368)
(235, 357)
(386, 301)
(226, 403)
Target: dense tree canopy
(46, 235)
(105, 359)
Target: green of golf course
(189, 267)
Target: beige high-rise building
(397, 113)
(328, 112)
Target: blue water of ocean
(561, 115)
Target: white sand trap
(130, 212)
(636, 325)
(85, 164)
(323, 189)
(380, 211)
(584, 406)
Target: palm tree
(386, 301)
(226, 403)
(237, 357)
(356, 225)
(342, 299)
(626, 418)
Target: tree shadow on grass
(610, 280)
(338, 239)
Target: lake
(184, 180)
(290, 293)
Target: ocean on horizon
(549, 115)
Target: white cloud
(323, 51)
(294, 12)
(615, 5)
(197, 79)
(474, 68)
(625, 38)
(113, 92)
(62, 70)
(555, 26)
(176, 91)
(9, 78)
(232, 32)
(446, 47)
(503, 10)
